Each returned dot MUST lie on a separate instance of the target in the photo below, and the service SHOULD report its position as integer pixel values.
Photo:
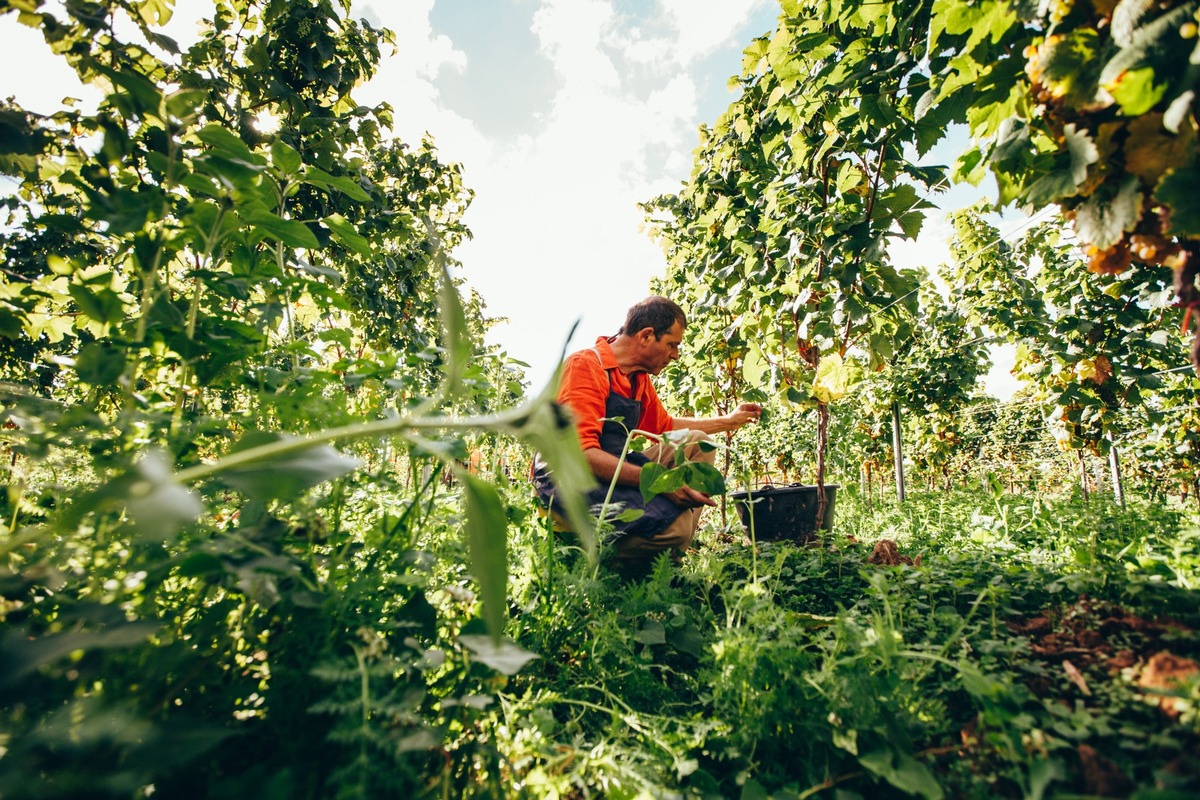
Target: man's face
(662, 350)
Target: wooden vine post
(1114, 463)
(897, 450)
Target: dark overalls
(659, 512)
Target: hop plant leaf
(506, 657)
(155, 503)
(283, 474)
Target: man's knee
(677, 536)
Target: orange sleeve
(584, 389)
(655, 418)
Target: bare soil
(887, 554)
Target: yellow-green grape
(1059, 9)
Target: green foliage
(200, 271)
(778, 243)
(819, 669)
(666, 478)
(1089, 345)
(1088, 105)
(259, 536)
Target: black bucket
(784, 512)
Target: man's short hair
(654, 312)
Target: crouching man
(608, 388)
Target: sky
(565, 114)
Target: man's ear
(645, 335)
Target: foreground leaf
(549, 429)
(506, 657)
(100, 363)
(655, 479)
(832, 380)
(1175, 191)
(454, 330)
(904, 772)
(157, 505)
(1103, 222)
(487, 538)
(21, 655)
(286, 474)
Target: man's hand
(746, 412)
(688, 497)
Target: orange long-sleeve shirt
(585, 386)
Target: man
(608, 388)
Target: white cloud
(570, 33)
(703, 26)
(680, 33)
(416, 45)
(556, 222)
(405, 79)
(45, 79)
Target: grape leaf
(1073, 67)
(1177, 191)
(103, 305)
(100, 363)
(1059, 183)
(1150, 150)
(1102, 222)
(832, 380)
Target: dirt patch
(1101, 777)
(1090, 632)
(887, 554)
(1122, 659)
(1097, 655)
(1033, 626)
(1167, 672)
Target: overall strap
(608, 372)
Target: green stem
(281, 198)
(365, 695)
(612, 485)
(180, 392)
(150, 277)
(753, 538)
(509, 420)
(287, 310)
(202, 259)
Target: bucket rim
(777, 489)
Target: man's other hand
(688, 497)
